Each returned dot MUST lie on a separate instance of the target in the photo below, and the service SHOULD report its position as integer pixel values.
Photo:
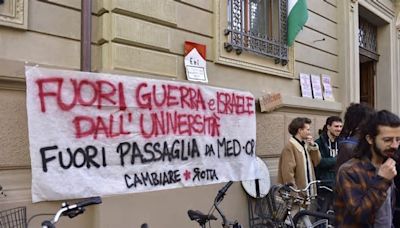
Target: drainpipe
(86, 35)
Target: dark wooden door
(367, 82)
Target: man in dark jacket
(325, 171)
(328, 146)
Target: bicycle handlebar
(89, 201)
(326, 188)
(218, 199)
(221, 193)
(304, 189)
(202, 219)
(71, 210)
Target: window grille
(367, 37)
(258, 26)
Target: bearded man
(364, 184)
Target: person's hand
(310, 140)
(388, 169)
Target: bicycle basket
(273, 205)
(13, 218)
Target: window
(367, 38)
(258, 26)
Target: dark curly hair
(356, 114)
(370, 127)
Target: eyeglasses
(390, 139)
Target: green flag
(297, 17)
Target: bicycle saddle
(200, 217)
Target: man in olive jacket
(299, 156)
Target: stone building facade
(145, 38)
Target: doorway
(367, 37)
(367, 81)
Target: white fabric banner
(100, 134)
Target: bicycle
(67, 210)
(325, 197)
(276, 208)
(203, 219)
(301, 197)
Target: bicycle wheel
(321, 220)
(321, 223)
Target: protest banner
(100, 134)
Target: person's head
(355, 115)
(333, 126)
(380, 136)
(300, 128)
